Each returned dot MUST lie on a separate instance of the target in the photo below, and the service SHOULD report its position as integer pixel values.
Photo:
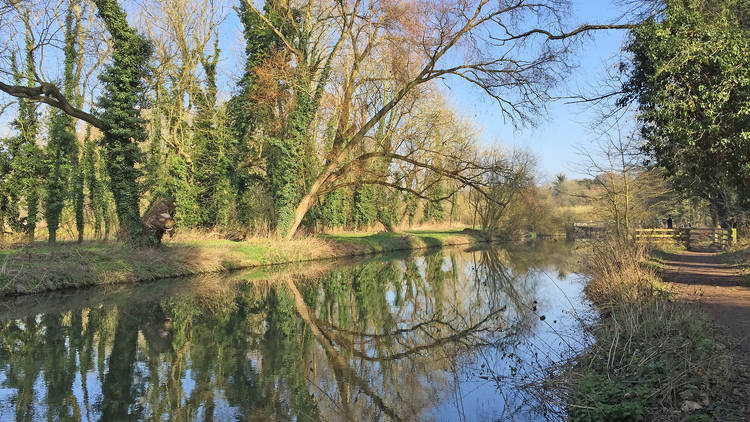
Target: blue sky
(564, 129)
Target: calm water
(448, 335)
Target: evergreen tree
(690, 75)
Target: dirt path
(701, 278)
(721, 291)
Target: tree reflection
(117, 395)
(382, 340)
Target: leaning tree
(513, 51)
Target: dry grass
(13, 241)
(654, 358)
(39, 267)
(617, 273)
(206, 288)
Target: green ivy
(25, 167)
(213, 145)
(365, 207)
(690, 76)
(121, 115)
(336, 208)
(433, 208)
(62, 146)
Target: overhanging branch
(563, 35)
(49, 94)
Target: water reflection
(446, 336)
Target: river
(443, 335)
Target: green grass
(656, 258)
(41, 267)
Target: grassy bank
(654, 358)
(738, 257)
(39, 267)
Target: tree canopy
(690, 76)
(336, 120)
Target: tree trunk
(307, 201)
(158, 220)
(300, 212)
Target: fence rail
(694, 236)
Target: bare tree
(512, 174)
(488, 44)
(182, 32)
(628, 193)
(43, 20)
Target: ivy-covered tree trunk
(89, 177)
(121, 116)
(58, 171)
(77, 197)
(433, 208)
(212, 142)
(285, 167)
(286, 175)
(62, 147)
(25, 165)
(291, 204)
(6, 187)
(365, 207)
(32, 207)
(21, 182)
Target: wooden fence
(691, 237)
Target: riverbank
(39, 267)
(655, 356)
